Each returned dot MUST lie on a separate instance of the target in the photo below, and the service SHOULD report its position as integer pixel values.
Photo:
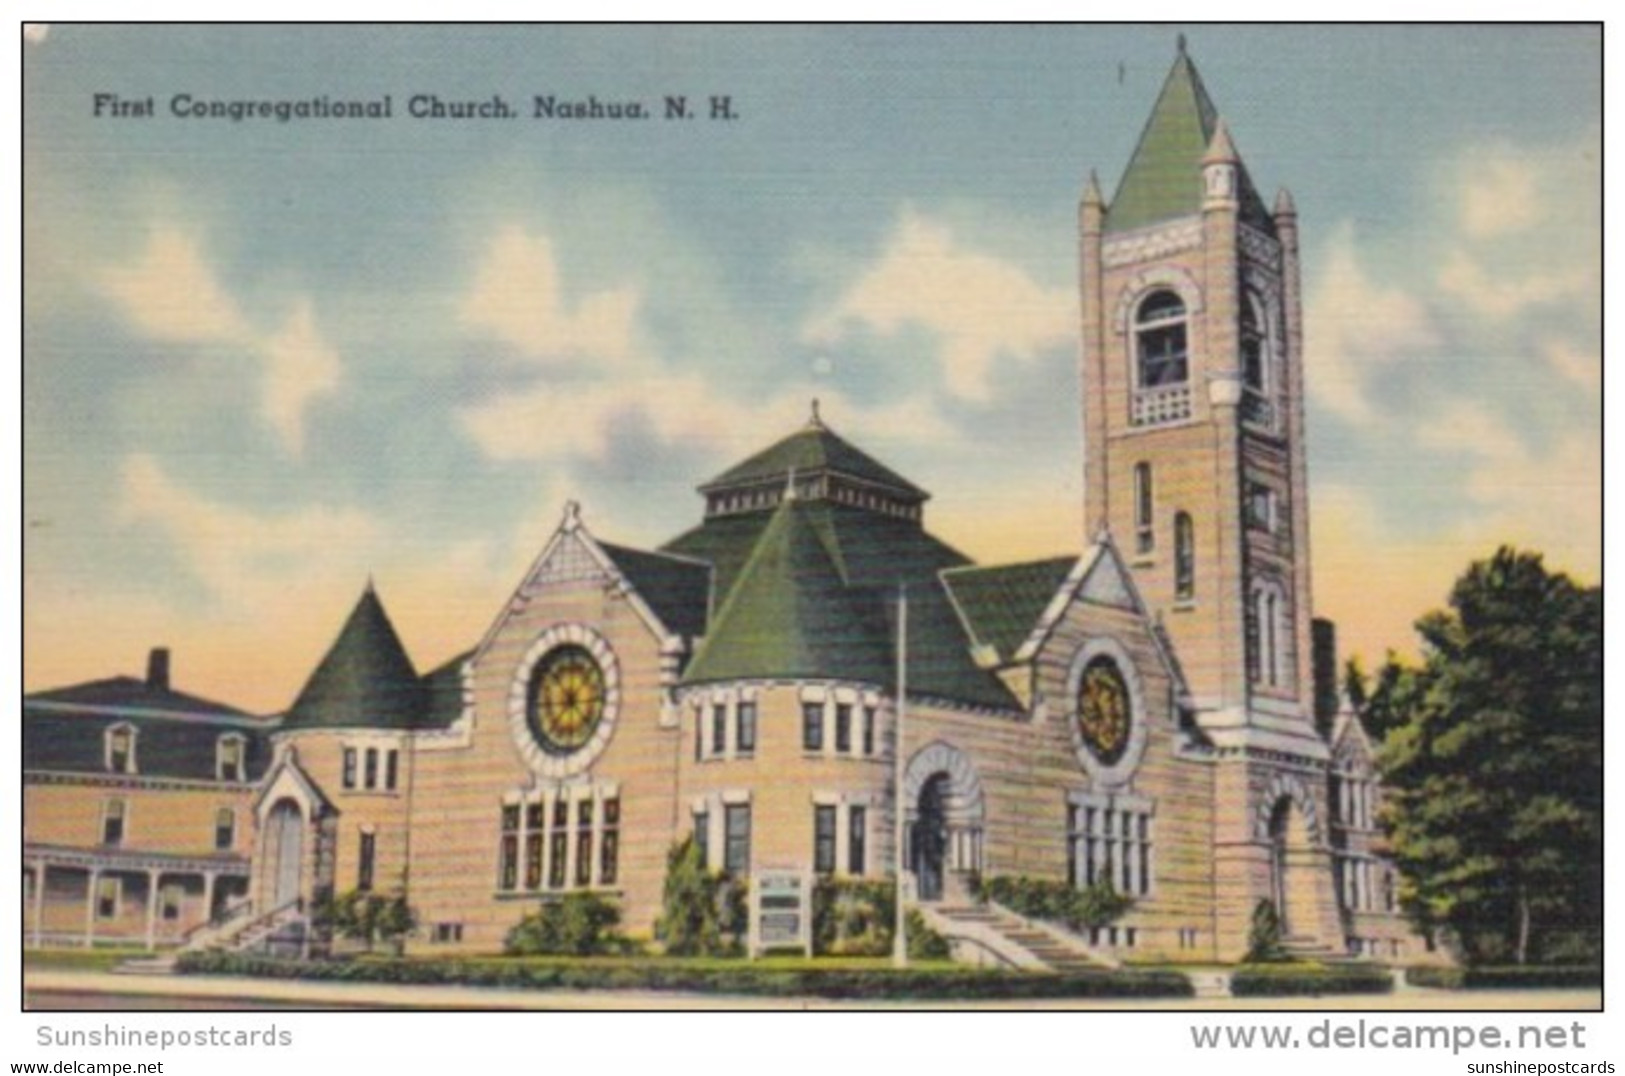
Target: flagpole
(899, 926)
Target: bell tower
(1193, 415)
(1194, 461)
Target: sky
(265, 362)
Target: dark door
(930, 839)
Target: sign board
(780, 911)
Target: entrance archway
(1280, 821)
(284, 846)
(943, 810)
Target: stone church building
(1143, 713)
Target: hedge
(1285, 980)
(878, 983)
(1489, 978)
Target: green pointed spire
(365, 681)
(1164, 177)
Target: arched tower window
(1267, 635)
(1184, 557)
(1254, 353)
(1161, 346)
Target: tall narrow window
(699, 733)
(391, 767)
(823, 839)
(349, 767)
(535, 835)
(367, 861)
(812, 726)
(509, 868)
(228, 758)
(1267, 631)
(719, 729)
(584, 843)
(372, 767)
(113, 823)
(868, 730)
(856, 840)
(843, 728)
(745, 727)
(121, 749)
(1184, 557)
(225, 829)
(558, 844)
(1160, 345)
(609, 846)
(702, 837)
(736, 838)
(1145, 538)
(1254, 368)
(169, 901)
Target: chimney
(158, 668)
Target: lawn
(79, 959)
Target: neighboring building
(1143, 713)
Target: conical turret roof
(1164, 177)
(792, 614)
(365, 681)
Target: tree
(1493, 764)
(1264, 935)
(690, 922)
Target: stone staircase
(1309, 948)
(1014, 941)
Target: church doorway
(284, 842)
(1280, 818)
(930, 837)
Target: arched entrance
(942, 803)
(284, 847)
(1280, 820)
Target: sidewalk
(80, 989)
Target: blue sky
(264, 360)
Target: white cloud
(558, 422)
(517, 298)
(300, 367)
(1578, 365)
(1499, 294)
(1501, 194)
(1355, 327)
(983, 309)
(172, 296)
(249, 560)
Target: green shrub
(1264, 936)
(853, 917)
(578, 924)
(703, 913)
(740, 978)
(1286, 980)
(1079, 910)
(923, 942)
(1487, 978)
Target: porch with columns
(60, 914)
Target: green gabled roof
(1164, 177)
(677, 589)
(809, 450)
(365, 681)
(792, 614)
(1001, 605)
(873, 553)
(443, 693)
